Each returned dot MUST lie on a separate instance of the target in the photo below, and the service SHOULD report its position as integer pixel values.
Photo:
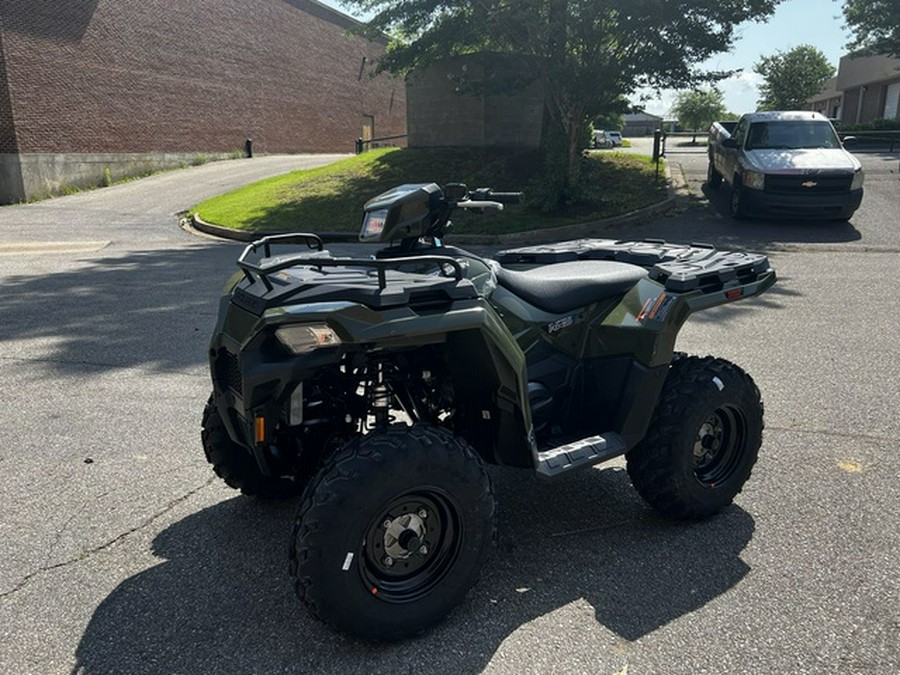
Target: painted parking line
(51, 247)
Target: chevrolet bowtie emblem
(809, 184)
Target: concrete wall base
(28, 177)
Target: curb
(675, 185)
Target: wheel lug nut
(386, 524)
(423, 513)
(423, 550)
(388, 561)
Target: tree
(610, 121)
(791, 78)
(588, 54)
(699, 108)
(875, 25)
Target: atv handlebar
(479, 204)
(485, 198)
(500, 197)
(508, 197)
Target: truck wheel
(713, 177)
(737, 201)
(392, 532)
(234, 464)
(703, 439)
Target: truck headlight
(754, 180)
(301, 338)
(858, 178)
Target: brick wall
(439, 115)
(130, 76)
(7, 130)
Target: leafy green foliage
(875, 25)
(792, 77)
(610, 121)
(699, 108)
(589, 55)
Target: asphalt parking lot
(123, 554)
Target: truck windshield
(793, 135)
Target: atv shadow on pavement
(152, 309)
(221, 601)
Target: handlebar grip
(480, 204)
(507, 197)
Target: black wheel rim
(411, 545)
(719, 446)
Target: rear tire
(713, 177)
(736, 203)
(392, 532)
(235, 465)
(703, 440)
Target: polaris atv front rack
(254, 270)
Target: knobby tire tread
(340, 470)
(650, 465)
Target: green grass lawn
(330, 198)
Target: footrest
(585, 452)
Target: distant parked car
(606, 139)
(601, 139)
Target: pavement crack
(840, 434)
(27, 579)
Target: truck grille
(228, 371)
(808, 185)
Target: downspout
(859, 104)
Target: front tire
(392, 532)
(234, 464)
(703, 440)
(736, 204)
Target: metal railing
(365, 145)
(871, 140)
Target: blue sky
(815, 22)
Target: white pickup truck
(784, 163)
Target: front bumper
(831, 206)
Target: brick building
(866, 88)
(449, 105)
(132, 85)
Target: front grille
(809, 184)
(228, 371)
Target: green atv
(379, 389)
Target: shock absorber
(380, 396)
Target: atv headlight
(302, 338)
(754, 180)
(373, 225)
(858, 178)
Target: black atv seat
(566, 286)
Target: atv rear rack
(680, 268)
(261, 270)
